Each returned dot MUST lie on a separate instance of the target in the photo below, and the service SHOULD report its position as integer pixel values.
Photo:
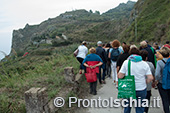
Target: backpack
(166, 75)
(76, 52)
(114, 54)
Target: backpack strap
(118, 50)
(163, 61)
(152, 50)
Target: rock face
(21, 38)
(36, 99)
(17, 41)
(69, 74)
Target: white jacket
(83, 50)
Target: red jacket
(92, 63)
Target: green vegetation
(77, 25)
(57, 42)
(123, 10)
(45, 63)
(152, 22)
(34, 70)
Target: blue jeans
(142, 94)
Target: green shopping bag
(126, 85)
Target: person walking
(144, 55)
(156, 47)
(164, 93)
(167, 44)
(140, 70)
(92, 62)
(151, 57)
(122, 57)
(82, 52)
(114, 53)
(101, 52)
(108, 64)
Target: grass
(36, 72)
(152, 22)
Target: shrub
(57, 43)
(20, 53)
(42, 52)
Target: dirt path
(109, 90)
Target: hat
(99, 42)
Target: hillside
(76, 25)
(152, 22)
(121, 11)
(41, 68)
(50, 46)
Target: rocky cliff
(77, 25)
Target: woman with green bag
(139, 69)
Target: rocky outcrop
(17, 42)
(36, 99)
(74, 25)
(69, 74)
(21, 38)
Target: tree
(91, 11)
(97, 12)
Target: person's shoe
(103, 82)
(94, 93)
(91, 92)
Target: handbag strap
(129, 68)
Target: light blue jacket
(159, 69)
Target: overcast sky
(15, 14)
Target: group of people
(111, 59)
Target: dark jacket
(150, 55)
(121, 59)
(101, 52)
